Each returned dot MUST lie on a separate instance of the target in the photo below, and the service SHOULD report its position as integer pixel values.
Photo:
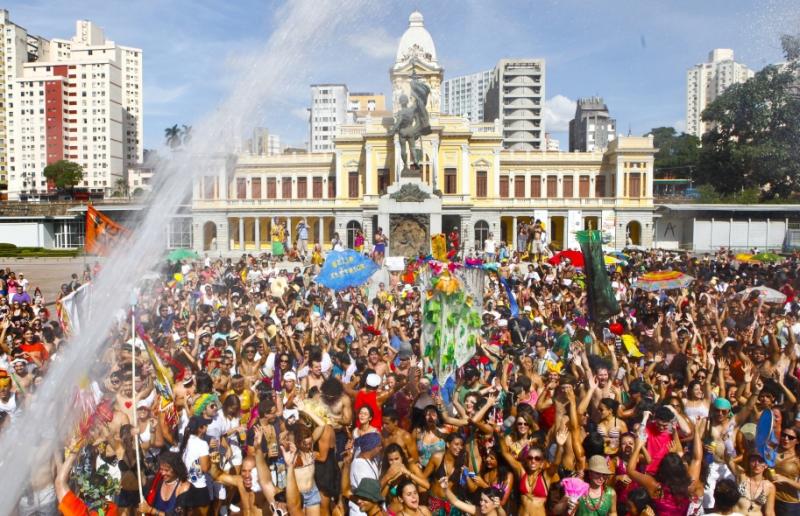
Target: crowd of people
(283, 397)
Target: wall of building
(27, 234)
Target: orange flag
(102, 233)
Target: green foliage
(64, 174)
(755, 127)
(12, 251)
(96, 487)
(709, 195)
(677, 153)
(173, 136)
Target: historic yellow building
(467, 180)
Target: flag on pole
(73, 310)
(102, 233)
(602, 302)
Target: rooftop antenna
(629, 129)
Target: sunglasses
(522, 423)
(535, 458)
(788, 437)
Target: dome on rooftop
(416, 41)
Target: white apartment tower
(79, 100)
(465, 95)
(706, 81)
(516, 98)
(329, 104)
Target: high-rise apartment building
(264, 143)
(592, 129)
(77, 99)
(17, 47)
(327, 112)
(465, 95)
(706, 81)
(516, 97)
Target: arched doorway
(352, 228)
(556, 232)
(209, 236)
(633, 233)
(481, 234)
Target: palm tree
(173, 136)
(121, 186)
(187, 134)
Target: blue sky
(634, 53)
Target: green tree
(64, 174)
(173, 136)
(677, 153)
(755, 127)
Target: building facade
(706, 81)
(468, 180)
(465, 95)
(327, 113)
(516, 98)
(78, 100)
(592, 128)
(263, 143)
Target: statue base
(412, 172)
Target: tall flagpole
(133, 405)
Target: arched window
(481, 233)
(352, 228)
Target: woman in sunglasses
(535, 474)
(758, 493)
(787, 475)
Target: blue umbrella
(345, 269)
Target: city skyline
(192, 51)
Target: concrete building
(81, 100)
(327, 113)
(592, 128)
(516, 98)
(17, 47)
(263, 143)
(363, 105)
(706, 81)
(551, 144)
(465, 95)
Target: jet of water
(303, 28)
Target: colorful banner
(74, 310)
(451, 316)
(102, 233)
(345, 269)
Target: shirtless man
(376, 363)
(340, 411)
(249, 367)
(23, 379)
(392, 433)
(40, 496)
(314, 377)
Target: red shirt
(370, 399)
(36, 348)
(71, 505)
(657, 446)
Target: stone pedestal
(409, 214)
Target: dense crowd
(288, 398)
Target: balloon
(178, 277)
(616, 328)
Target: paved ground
(47, 273)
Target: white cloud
(155, 94)
(558, 111)
(376, 43)
(301, 113)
